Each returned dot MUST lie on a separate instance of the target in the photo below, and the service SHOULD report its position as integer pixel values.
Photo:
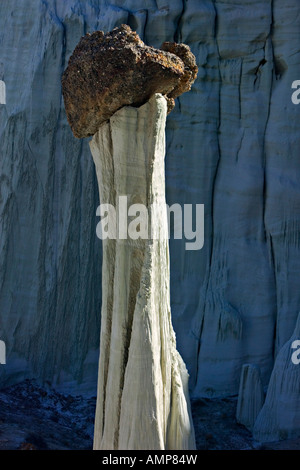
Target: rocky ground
(38, 418)
(217, 429)
(34, 417)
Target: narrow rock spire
(251, 396)
(120, 91)
(279, 418)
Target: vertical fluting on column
(142, 399)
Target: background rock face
(233, 144)
(279, 418)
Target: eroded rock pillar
(119, 90)
(142, 387)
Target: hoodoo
(119, 90)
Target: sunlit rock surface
(142, 394)
(143, 401)
(233, 144)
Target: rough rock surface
(33, 417)
(251, 396)
(108, 71)
(39, 418)
(279, 418)
(233, 144)
(143, 399)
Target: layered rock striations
(143, 397)
(279, 418)
(232, 143)
(251, 396)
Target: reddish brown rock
(190, 68)
(116, 69)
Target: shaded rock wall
(279, 417)
(232, 144)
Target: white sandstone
(142, 399)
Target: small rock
(27, 446)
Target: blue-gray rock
(233, 145)
(251, 396)
(279, 418)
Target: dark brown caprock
(116, 69)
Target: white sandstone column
(142, 399)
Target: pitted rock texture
(116, 69)
(190, 68)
